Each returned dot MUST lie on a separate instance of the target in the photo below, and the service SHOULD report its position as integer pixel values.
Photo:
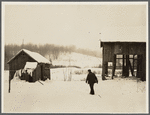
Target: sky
(81, 25)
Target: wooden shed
(19, 61)
(128, 54)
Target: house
(26, 59)
(124, 47)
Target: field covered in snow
(72, 95)
(77, 59)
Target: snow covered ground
(76, 74)
(59, 96)
(77, 59)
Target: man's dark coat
(91, 78)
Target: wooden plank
(144, 66)
(104, 63)
(133, 65)
(123, 65)
(114, 66)
(131, 68)
(124, 58)
(9, 82)
(139, 66)
(127, 66)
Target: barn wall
(123, 48)
(127, 48)
(108, 51)
(108, 55)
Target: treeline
(50, 50)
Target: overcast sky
(70, 24)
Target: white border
(75, 3)
(72, 3)
(147, 61)
(2, 55)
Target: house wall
(42, 70)
(45, 71)
(18, 63)
(37, 73)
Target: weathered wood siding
(123, 48)
(47, 70)
(108, 52)
(127, 48)
(18, 63)
(38, 73)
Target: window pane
(119, 62)
(119, 56)
(135, 56)
(130, 56)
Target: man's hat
(89, 70)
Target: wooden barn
(26, 59)
(128, 54)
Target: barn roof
(124, 34)
(36, 56)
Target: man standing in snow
(91, 79)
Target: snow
(39, 58)
(59, 96)
(76, 74)
(30, 65)
(36, 56)
(77, 59)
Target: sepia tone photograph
(74, 57)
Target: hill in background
(56, 54)
(77, 60)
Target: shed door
(47, 73)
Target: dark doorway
(30, 78)
(127, 64)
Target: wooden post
(137, 71)
(104, 66)
(133, 65)
(49, 74)
(131, 68)
(139, 67)
(9, 82)
(114, 66)
(127, 65)
(144, 67)
(123, 65)
(10, 78)
(104, 70)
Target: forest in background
(46, 49)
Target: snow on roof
(36, 56)
(124, 34)
(30, 65)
